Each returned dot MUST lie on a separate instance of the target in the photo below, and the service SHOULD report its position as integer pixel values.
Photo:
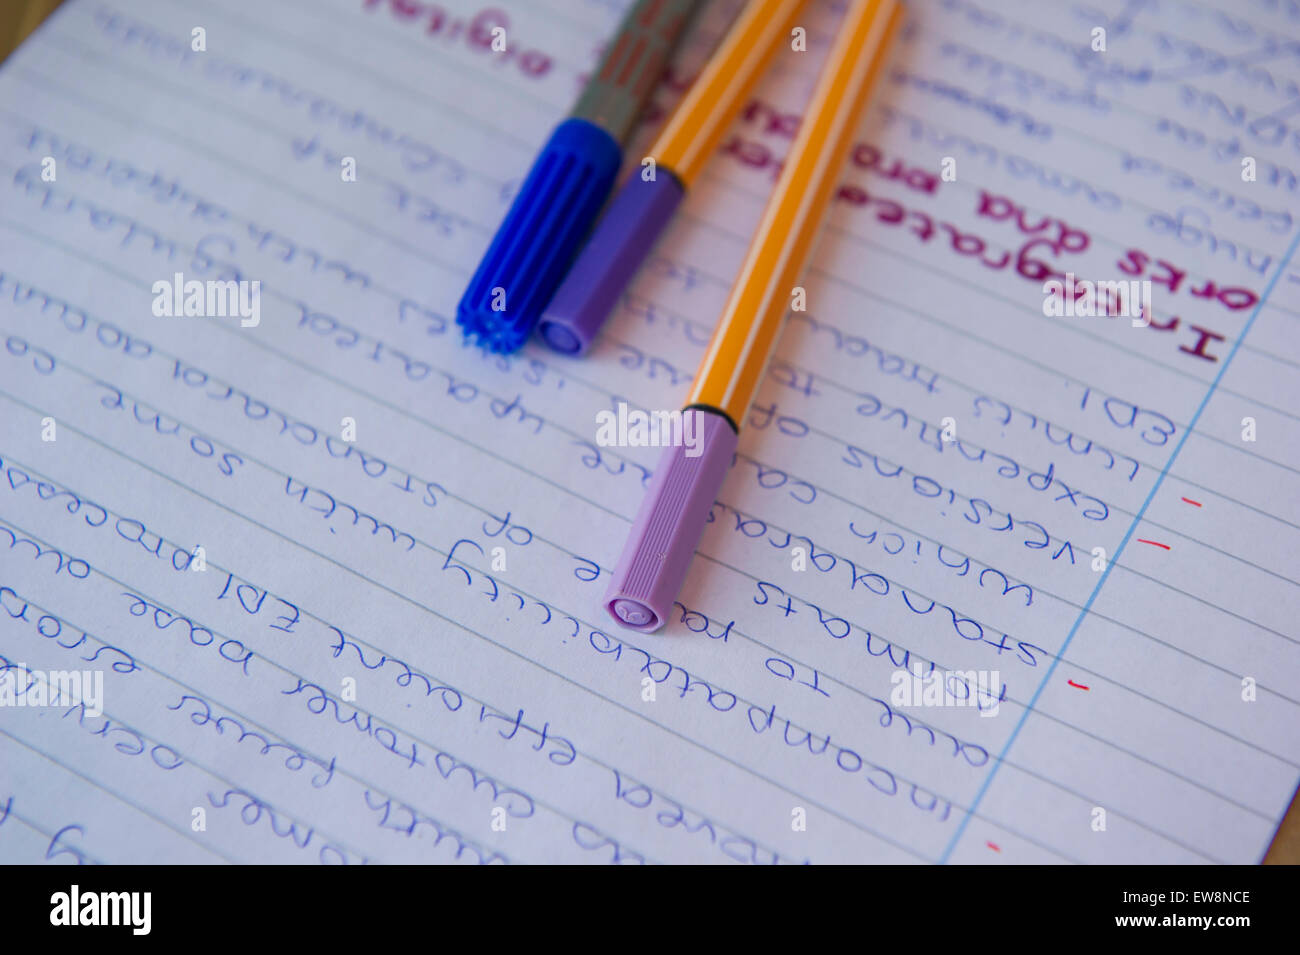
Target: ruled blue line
(1137, 519)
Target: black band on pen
(717, 411)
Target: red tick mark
(1191, 502)
(1077, 686)
(993, 847)
(1143, 540)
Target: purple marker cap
(662, 542)
(617, 247)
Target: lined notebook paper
(989, 581)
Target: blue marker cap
(569, 181)
(532, 249)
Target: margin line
(1283, 265)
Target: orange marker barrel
(737, 355)
(692, 133)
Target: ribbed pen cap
(668, 527)
(536, 242)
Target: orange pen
(646, 202)
(694, 130)
(668, 527)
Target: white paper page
(395, 650)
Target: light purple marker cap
(662, 542)
(617, 247)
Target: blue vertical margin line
(1137, 519)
